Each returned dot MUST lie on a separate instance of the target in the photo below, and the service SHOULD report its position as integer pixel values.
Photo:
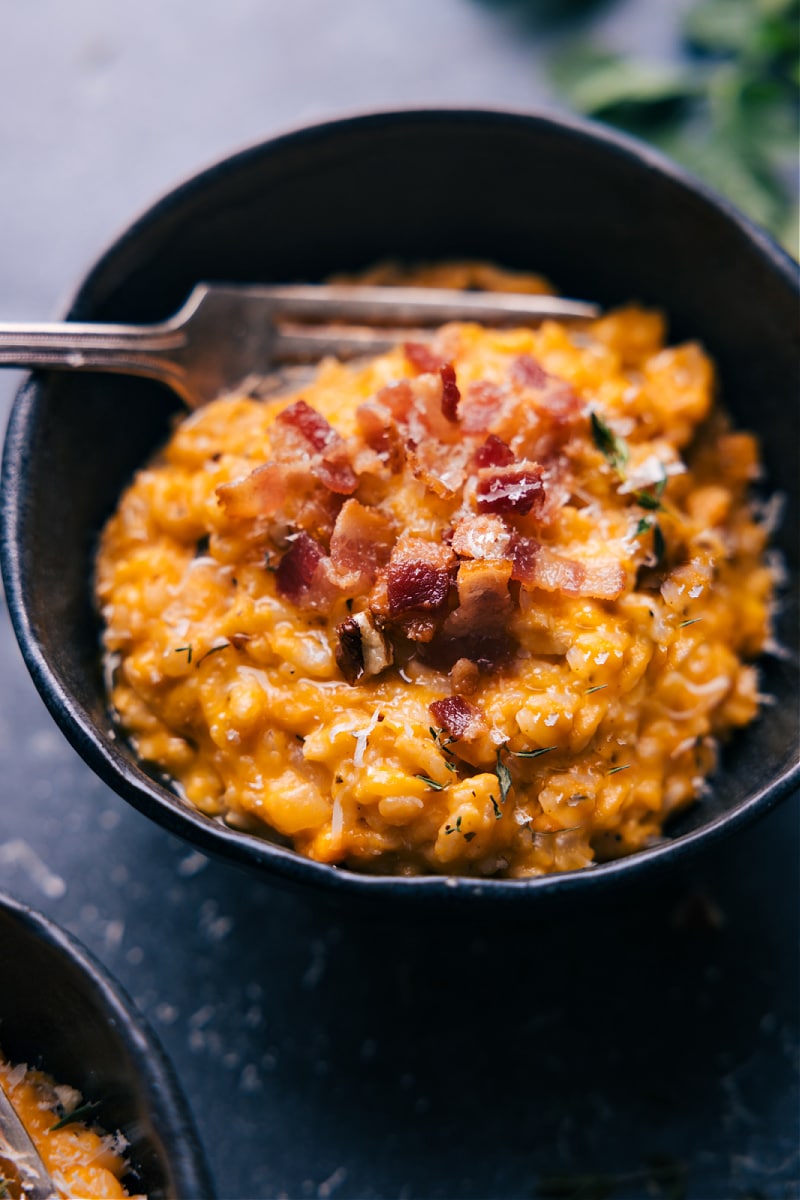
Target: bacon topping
(464, 677)
(494, 453)
(450, 393)
(462, 720)
(527, 372)
(535, 565)
(360, 543)
(259, 494)
(517, 488)
(418, 577)
(422, 358)
(300, 429)
(482, 537)
(296, 572)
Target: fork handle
(127, 349)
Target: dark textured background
(654, 1043)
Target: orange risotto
(482, 606)
(83, 1162)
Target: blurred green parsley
(729, 113)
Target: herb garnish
(691, 621)
(613, 448)
(498, 812)
(77, 1114)
(436, 734)
(212, 650)
(453, 828)
(187, 650)
(503, 776)
(598, 687)
(437, 787)
(729, 114)
(614, 770)
(534, 753)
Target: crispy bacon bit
(484, 604)
(462, 720)
(535, 565)
(300, 430)
(464, 677)
(418, 576)
(295, 575)
(517, 488)
(259, 494)
(361, 650)
(441, 468)
(481, 537)
(422, 358)
(309, 423)
(450, 393)
(484, 403)
(361, 542)
(377, 425)
(527, 372)
(494, 453)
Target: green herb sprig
(77, 1114)
(729, 113)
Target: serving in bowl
(598, 214)
(64, 1015)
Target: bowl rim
(163, 1094)
(156, 800)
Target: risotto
(481, 606)
(82, 1161)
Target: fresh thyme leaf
(659, 545)
(77, 1114)
(610, 446)
(498, 812)
(691, 621)
(644, 526)
(212, 650)
(729, 114)
(534, 753)
(448, 829)
(503, 776)
(615, 770)
(187, 650)
(648, 500)
(451, 766)
(437, 787)
(598, 687)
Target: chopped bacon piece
(484, 604)
(536, 565)
(450, 393)
(481, 537)
(527, 372)
(297, 570)
(484, 402)
(494, 453)
(361, 542)
(441, 468)
(462, 720)
(300, 431)
(361, 650)
(378, 427)
(259, 494)
(418, 576)
(517, 488)
(309, 423)
(422, 358)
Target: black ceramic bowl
(60, 1011)
(601, 215)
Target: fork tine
(417, 305)
(308, 343)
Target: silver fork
(17, 1148)
(225, 336)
